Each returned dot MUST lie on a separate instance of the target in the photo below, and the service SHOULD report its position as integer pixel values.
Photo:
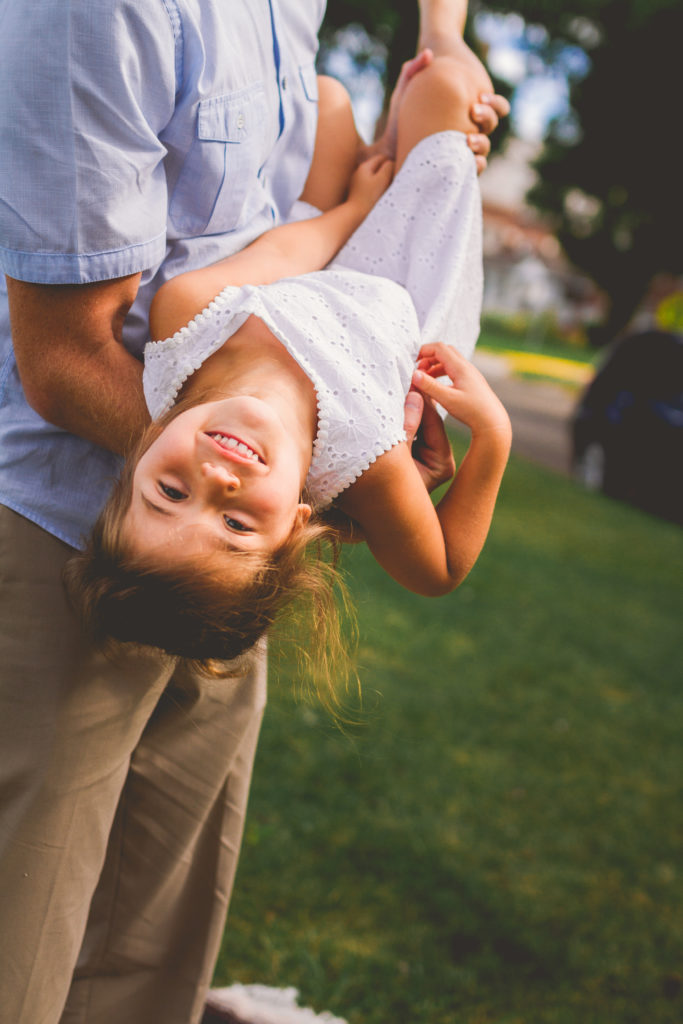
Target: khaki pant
(123, 790)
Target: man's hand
(486, 114)
(429, 443)
(488, 107)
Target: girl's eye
(235, 524)
(172, 493)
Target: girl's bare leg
(443, 95)
(337, 145)
(387, 141)
(442, 24)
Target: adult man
(136, 139)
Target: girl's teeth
(242, 448)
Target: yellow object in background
(549, 366)
(669, 312)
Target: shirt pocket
(309, 81)
(223, 163)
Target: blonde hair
(211, 608)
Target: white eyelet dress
(410, 274)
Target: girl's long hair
(211, 608)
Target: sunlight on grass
(498, 836)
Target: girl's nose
(220, 477)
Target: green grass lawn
(498, 838)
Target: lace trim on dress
(171, 362)
(163, 386)
(348, 440)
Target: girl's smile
(232, 447)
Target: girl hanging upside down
(279, 393)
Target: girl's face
(225, 474)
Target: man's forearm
(73, 367)
(99, 399)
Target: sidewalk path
(540, 412)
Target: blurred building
(525, 271)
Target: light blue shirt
(136, 135)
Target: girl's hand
(429, 444)
(469, 398)
(369, 181)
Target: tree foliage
(382, 19)
(614, 191)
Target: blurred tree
(615, 190)
(397, 30)
(613, 186)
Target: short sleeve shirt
(148, 136)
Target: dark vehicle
(627, 429)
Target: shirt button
(240, 120)
(284, 82)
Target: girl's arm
(431, 550)
(285, 251)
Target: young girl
(278, 398)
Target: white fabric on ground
(260, 1004)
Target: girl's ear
(303, 514)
